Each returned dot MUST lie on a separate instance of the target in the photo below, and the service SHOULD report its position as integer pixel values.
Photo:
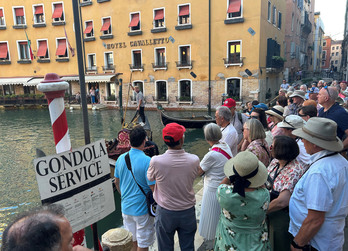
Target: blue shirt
(133, 201)
(339, 115)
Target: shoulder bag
(151, 203)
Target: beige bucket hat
(276, 111)
(245, 163)
(298, 93)
(292, 122)
(321, 132)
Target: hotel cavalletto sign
(143, 42)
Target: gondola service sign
(80, 181)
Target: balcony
(233, 61)
(19, 26)
(91, 70)
(109, 68)
(160, 66)
(161, 100)
(184, 64)
(4, 61)
(275, 64)
(137, 67)
(306, 25)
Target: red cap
(51, 78)
(174, 131)
(229, 103)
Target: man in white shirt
(238, 119)
(319, 204)
(223, 117)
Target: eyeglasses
(327, 89)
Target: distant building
(318, 42)
(161, 46)
(336, 55)
(326, 54)
(344, 62)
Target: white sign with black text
(80, 181)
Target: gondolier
(140, 102)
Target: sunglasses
(327, 89)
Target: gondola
(187, 122)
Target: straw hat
(298, 93)
(245, 163)
(291, 122)
(276, 111)
(321, 132)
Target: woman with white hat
(244, 204)
(275, 116)
(212, 165)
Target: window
(336, 47)
(92, 65)
(19, 18)
(38, 14)
(106, 28)
(135, 22)
(185, 90)
(333, 48)
(160, 57)
(184, 14)
(136, 60)
(233, 53)
(2, 17)
(274, 16)
(324, 43)
(42, 51)
(292, 22)
(23, 50)
(324, 55)
(269, 11)
(233, 88)
(161, 90)
(89, 29)
(140, 84)
(9, 89)
(336, 61)
(332, 54)
(322, 63)
(234, 8)
(336, 53)
(184, 55)
(62, 51)
(58, 13)
(158, 18)
(4, 53)
(279, 20)
(109, 61)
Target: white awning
(33, 82)
(14, 81)
(70, 78)
(98, 78)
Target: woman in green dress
(244, 202)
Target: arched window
(185, 92)
(161, 90)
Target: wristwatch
(295, 245)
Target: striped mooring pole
(54, 89)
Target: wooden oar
(125, 111)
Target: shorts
(142, 227)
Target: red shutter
(234, 6)
(3, 50)
(19, 12)
(89, 28)
(135, 20)
(61, 47)
(23, 43)
(159, 14)
(1, 13)
(184, 10)
(38, 10)
(136, 52)
(160, 50)
(58, 10)
(41, 52)
(106, 24)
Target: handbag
(151, 203)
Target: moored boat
(187, 122)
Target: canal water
(24, 130)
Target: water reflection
(22, 131)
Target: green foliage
(111, 98)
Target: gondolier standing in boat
(140, 103)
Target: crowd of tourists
(275, 178)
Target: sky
(332, 13)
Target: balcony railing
(160, 66)
(91, 69)
(109, 68)
(184, 100)
(184, 64)
(233, 61)
(162, 99)
(136, 67)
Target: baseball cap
(313, 90)
(173, 132)
(229, 103)
(261, 106)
